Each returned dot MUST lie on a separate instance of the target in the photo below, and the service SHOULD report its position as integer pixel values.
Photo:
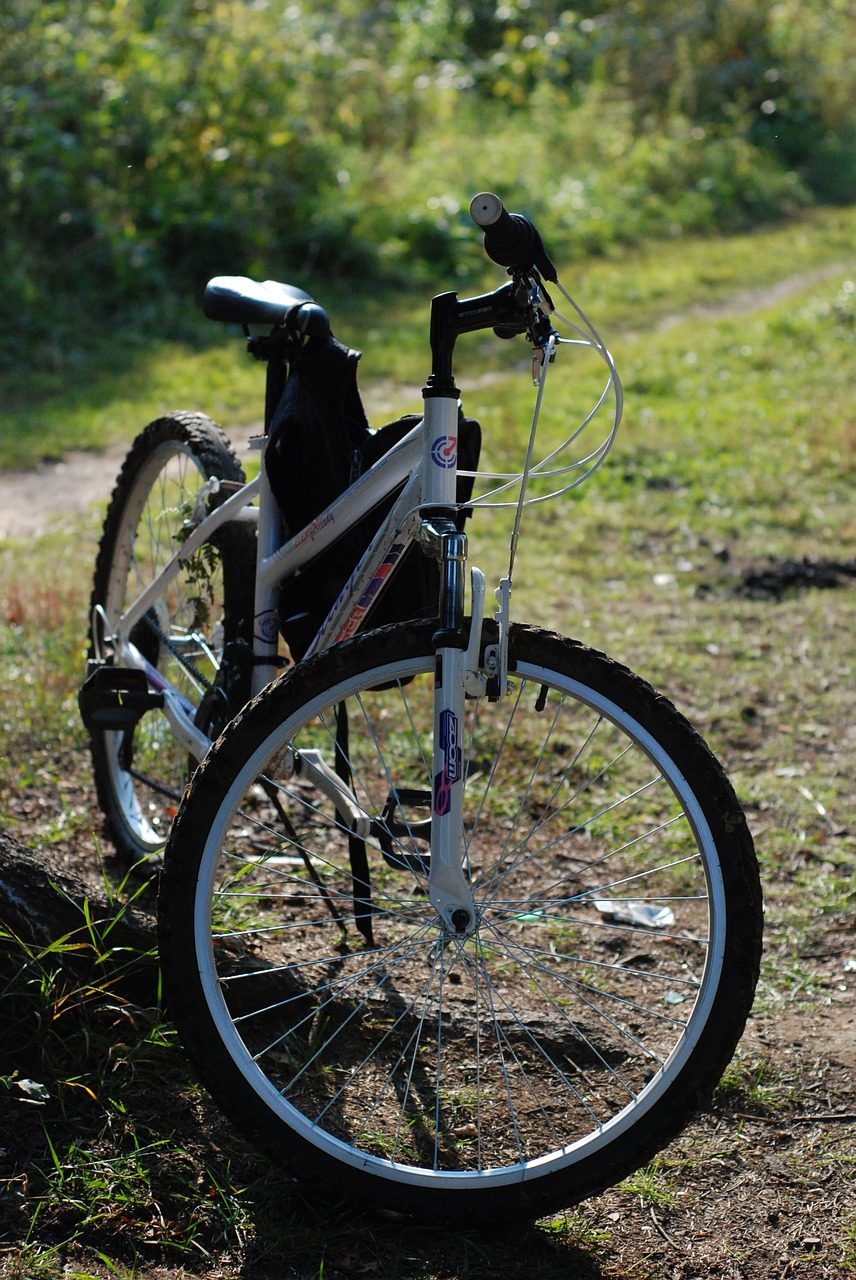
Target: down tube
(277, 562)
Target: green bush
(149, 144)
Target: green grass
(106, 391)
(738, 445)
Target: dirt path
(33, 501)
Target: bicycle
(458, 918)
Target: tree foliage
(149, 143)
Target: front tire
(462, 1079)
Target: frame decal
(444, 452)
(355, 617)
(451, 770)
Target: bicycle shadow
(337, 1241)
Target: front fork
(456, 675)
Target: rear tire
(509, 1074)
(140, 773)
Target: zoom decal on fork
(451, 771)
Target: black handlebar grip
(510, 239)
(487, 210)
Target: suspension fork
(456, 663)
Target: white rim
(394, 1171)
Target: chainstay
(183, 661)
(152, 785)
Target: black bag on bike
(319, 444)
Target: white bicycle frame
(425, 462)
(276, 561)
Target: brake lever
(539, 359)
(540, 329)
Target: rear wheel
(140, 772)
(512, 1072)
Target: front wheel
(461, 1078)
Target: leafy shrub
(149, 144)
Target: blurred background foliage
(148, 144)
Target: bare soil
(32, 501)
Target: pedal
(115, 697)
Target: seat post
(271, 349)
(275, 380)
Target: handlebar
(510, 239)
